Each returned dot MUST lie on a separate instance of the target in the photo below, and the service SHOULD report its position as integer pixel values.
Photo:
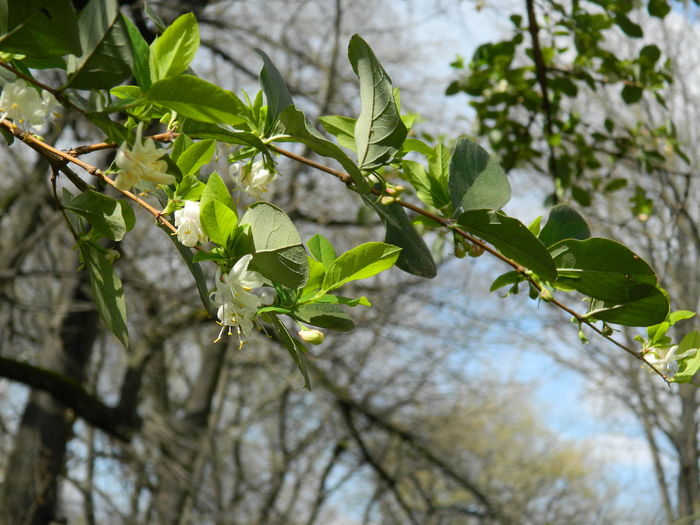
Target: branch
(72, 395)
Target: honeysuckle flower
(189, 229)
(237, 304)
(665, 360)
(141, 163)
(254, 179)
(313, 336)
(25, 105)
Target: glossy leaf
(415, 257)
(600, 268)
(688, 366)
(647, 305)
(342, 128)
(276, 91)
(379, 130)
(109, 217)
(324, 315)
(276, 245)
(512, 238)
(322, 250)
(216, 190)
(361, 262)
(198, 99)
(218, 221)
(39, 28)
(172, 52)
(195, 156)
(563, 223)
(476, 180)
(107, 57)
(141, 54)
(107, 290)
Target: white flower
(189, 229)
(238, 306)
(141, 163)
(24, 105)
(665, 360)
(253, 180)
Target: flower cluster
(189, 228)
(238, 306)
(253, 179)
(24, 105)
(141, 163)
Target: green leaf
(109, 217)
(379, 130)
(276, 91)
(218, 221)
(506, 279)
(295, 349)
(689, 365)
(107, 55)
(107, 290)
(39, 28)
(412, 144)
(189, 189)
(295, 124)
(658, 8)
(172, 52)
(198, 99)
(415, 257)
(680, 315)
(476, 180)
(564, 223)
(361, 262)
(512, 238)
(276, 245)
(324, 315)
(216, 190)
(628, 27)
(211, 131)
(600, 268)
(322, 250)
(429, 188)
(631, 94)
(141, 53)
(196, 156)
(646, 305)
(342, 128)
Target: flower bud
(315, 337)
(387, 200)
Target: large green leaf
(295, 124)
(361, 262)
(216, 190)
(476, 180)
(601, 268)
(322, 250)
(109, 217)
(196, 156)
(39, 28)
(276, 245)
(276, 91)
(379, 131)
(415, 257)
(688, 366)
(172, 52)
(429, 189)
(107, 57)
(512, 238)
(107, 290)
(647, 305)
(564, 223)
(198, 99)
(218, 221)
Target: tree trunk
(30, 493)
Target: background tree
(599, 94)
